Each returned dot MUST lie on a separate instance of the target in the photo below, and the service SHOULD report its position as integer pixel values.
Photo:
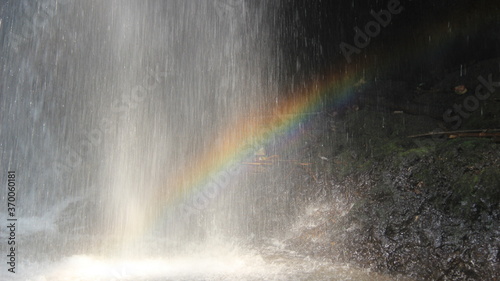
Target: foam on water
(201, 267)
(227, 262)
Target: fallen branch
(486, 133)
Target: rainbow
(251, 133)
(334, 88)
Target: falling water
(111, 113)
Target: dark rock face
(424, 208)
(426, 226)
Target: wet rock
(428, 210)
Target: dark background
(462, 32)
